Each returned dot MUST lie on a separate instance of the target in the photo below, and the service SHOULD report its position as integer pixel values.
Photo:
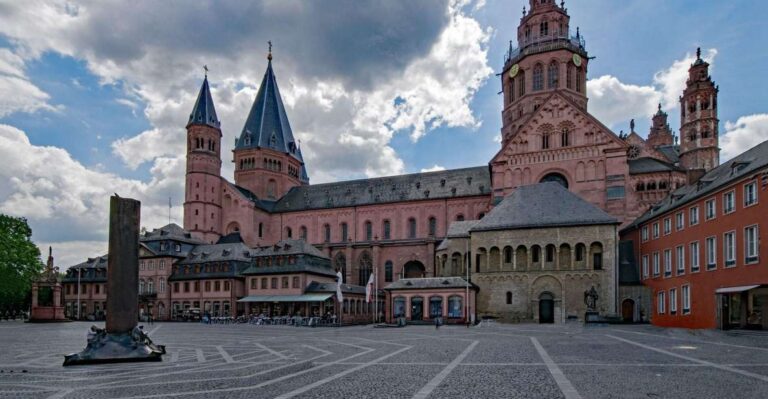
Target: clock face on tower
(577, 60)
(514, 70)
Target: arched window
(150, 286)
(288, 232)
(569, 77)
(365, 266)
(340, 264)
(538, 77)
(565, 138)
(509, 298)
(640, 187)
(511, 90)
(327, 232)
(508, 255)
(555, 177)
(544, 29)
(455, 307)
(521, 84)
(535, 253)
(459, 218)
(344, 232)
(162, 285)
(261, 230)
(387, 230)
(435, 307)
(432, 226)
(553, 73)
(579, 79)
(550, 252)
(368, 230)
(141, 287)
(411, 228)
(388, 271)
(303, 233)
(545, 141)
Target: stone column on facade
(377, 266)
(573, 258)
(348, 256)
(35, 290)
(558, 266)
(431, 258)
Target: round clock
(633, 152)
(577, 60)
(514, 70)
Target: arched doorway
(555, 177)
(414, 269)
(628, 310)
(417, 308)
(546, 308)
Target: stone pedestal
(121, 340)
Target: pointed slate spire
(203, 112)
(267, 124)
(303, 175)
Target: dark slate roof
(290, 247)
(265, 205)
(650, 165)
(429, 283)
(672, 152)
(542, 205)
(203, 113)
(267, 124)
(218, 253)
(628, 270)
(461, 229)
(97, 262)
(748, 162)
(418, 186)
(89, 270)
(170, 231)
(315, 287)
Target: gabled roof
(750, 161)
(267, 124)
(461, 229)
(171, 231)
(542, 205)
(418, 186)
(204, 113)
(238, 252)
(671, 152)
(650, 165)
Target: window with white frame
(660, 302)
(680, 221)
(656, 230)
(750, 244)
(645, 266)
(694, 256)
(711, 253)
(644, 234)
(673, 301)
(686, 297)
(729, 202)
(729, 248)
(667, 226)
(680, 259)
(667, 262)
(656, 264)
(750, 194)
(710, 209)
(693, 218)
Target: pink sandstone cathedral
(394, 223)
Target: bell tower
(699, 138)
(548, 57)
(202, 194)
(661, 134)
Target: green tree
(19, 260)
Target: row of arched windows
(549, 79)
(386, 230)
(654, 185)
(538, 257)
(201, 143)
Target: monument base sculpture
(104, 347)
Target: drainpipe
(616, 269)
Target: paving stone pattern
(501, 361)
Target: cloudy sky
(94, 96)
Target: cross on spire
(205, 67)
(269, 56)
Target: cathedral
(532, 230)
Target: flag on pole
(369, 289)
(339, 280)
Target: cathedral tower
(268, 161)
(202, 197)
(661, 134)
(698, 119)
(548, 58)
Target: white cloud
(19, 94)
(745, 133)
(434, 168)
(614, 102)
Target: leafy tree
(19, 260)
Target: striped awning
(286, 298)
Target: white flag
(339, 280)
(369, 289)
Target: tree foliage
(19, 260)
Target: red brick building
(700, 251)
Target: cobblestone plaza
(500, 361)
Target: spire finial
(659, 107)
(632, 126)
(698, 53)
(269, 56)
(523, 10)
(205, 67)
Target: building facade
(700, 251)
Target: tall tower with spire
(699, 138)
(268, 160)
(202, 197)
(548, 58)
